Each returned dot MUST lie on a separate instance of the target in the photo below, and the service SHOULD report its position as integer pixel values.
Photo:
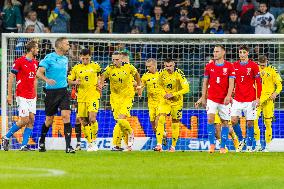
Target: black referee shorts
(56, 99)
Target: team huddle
(229, 89)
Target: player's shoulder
(179, 71)
(95, 64)
(273, 68)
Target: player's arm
(137, 78)
(184, 85)
(41, 75)
(258, 84)
(232, 77)
(278, 83)
(35, 85)
(103, 77)
(205, 86)
(10, 87)
(72, 80)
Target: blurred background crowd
(143, 16)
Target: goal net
(191, 53)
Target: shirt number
(242, 78)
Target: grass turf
(105, 169)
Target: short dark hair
(31, 44)
(168, 60)
(221, 46)
(124, 53)
(85, 52)
(59, 40)
(244, 47)
(262, 58)
(116, 53)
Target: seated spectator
(59, 19)
(135, 30)
(215, 28)
(12, 18)
(233, 26)
(262, 20)
(141, 10)
(206, 18)
(121, 17)
(192, 29)
(157, 21)
(100, 26)
(181, 20)
(280, 23)
(31, 19)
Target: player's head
(62, 44)
(32, 47)
(116, 59)
(124, 57)
(243, 52)
(169, 65)
(219, 52)
(151, 65)
(262, 61)
(85, 56)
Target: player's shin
(238, 131)
(224, 136)
(116, 140)
(160, 129)
(175, 133)
(250, 135)
(268, 130)
(127, 130)
(94, 128)
(87, 133)
(211, 133)
(12, 130)
(256, 132)
(26, 136)
(67, 133)
(44, 131)
(78, 132)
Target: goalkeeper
(271, 87)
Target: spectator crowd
(143, 16)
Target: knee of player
(92, 120)
(66, 118)
(175, 121)
(250, 123)
(234, 122)
(210, 120)
(23, 121)
(161, 118)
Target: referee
(53, 70)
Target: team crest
(248, 71)
(225, 70)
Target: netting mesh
(190, 56)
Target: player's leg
(83, 118)
(211, 111)
(236, 112)
(64, 105)
(93, 108)
(233, 135)
(23, 121)
(224, 113)
(250, 113)
(152, 116)
(176, 113)
(27, 132)
(257, 130)
(78, 131)
(268, 114)
(218, 123)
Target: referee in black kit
(53, 70)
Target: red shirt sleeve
(206, 71)
(257, 81)
(16, 67)
(232, 73)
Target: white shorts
(250, 111)
(223, 110)
(25, 106)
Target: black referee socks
(67, 133)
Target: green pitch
(105, 169)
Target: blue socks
(211, 133)
(12, 130)
(250, 134)
(26, 136)
(238, 131)
(224, 136)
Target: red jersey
(247, 74)
(25, 71)
(218, 78)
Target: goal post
(191, 53)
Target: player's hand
(255, 103)
(77, 82)
(168, 96)
(196, 104)
(139, 92)
(273, 96)
(227, 100)
(9, 100)
(50, 82)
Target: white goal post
(191, 52)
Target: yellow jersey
(174, 83)
(154, 90)
(88, 75)
(121, 78)
(271, 81)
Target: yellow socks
(175, 133)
